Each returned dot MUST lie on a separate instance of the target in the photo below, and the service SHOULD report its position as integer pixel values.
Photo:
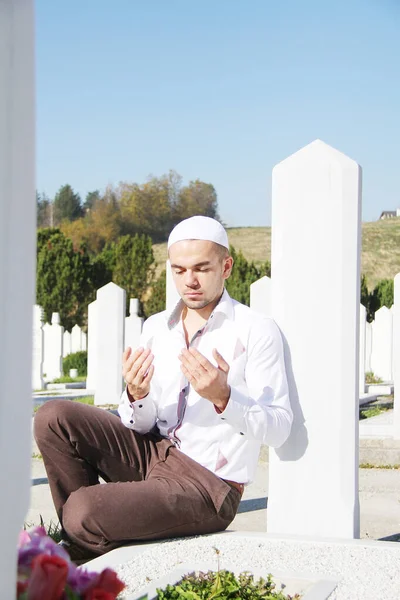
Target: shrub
(76, 360)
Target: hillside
(380, 255)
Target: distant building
(389, 214)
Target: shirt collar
(224, 307)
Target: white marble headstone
(382, 344)
(92, 367)
(313, 477)
(261, 296)
(53, 348)
(38, 349)
(133, 325)
(111, 305)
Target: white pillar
(261, 296)
(313, 477)
(382, 344)
(76, 339)
(111, 306)
(396, 357)
(53, 348)
(368, 346)
(172, 296)
(67, 347)
(38, 349)
(91, 380)
(17, 263)
(133, 325)
(363, 324)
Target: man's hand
(209, 382)
(137, 369)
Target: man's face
(199, 271)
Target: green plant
(76, 360)
(68, 379)
(370, 377)
(371, 466)
(222, 585)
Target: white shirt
(258, 411)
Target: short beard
(196, 304)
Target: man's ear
(228, 267)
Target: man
(204, 390)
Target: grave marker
(313, 477)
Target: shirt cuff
(236, 410)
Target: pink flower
(23, 538)
(48, 578)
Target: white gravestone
(92, 346)
(53, 348)
(172, 294)
(67, 347)
(133, 325)
(361, 371)
(38, 349)
(76, 339)
(382, 344)
(313, 477)
(111, 305)
(368, 346)
(17, 273)
(84, 341)
(261, 295)
(396, 357)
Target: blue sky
(219, 90)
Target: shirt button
(140, 405)
(131, 421)
(241, 433)
(222, 418)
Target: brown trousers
(153, 490)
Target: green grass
(68, 379)
(37, 456)
(370, 466)
(82, 400)
(366, 413)
(53, 530)
(380, 254)
(85, 400)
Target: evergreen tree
(67, 205)
(158, 296)
(244, 273)
(63, 278)
(134, 265)
(382, 295)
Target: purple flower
(37, 543)
(79, 579)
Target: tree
(198, 198)
(158, 296)
(365, 296)
(382, 295)
(63, 279)
(44, 210)
(134, 265)
(91, 199)
(147, 208)
(243, 274)
(67, 205)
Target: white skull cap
(199, 228)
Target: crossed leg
(153, 491)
